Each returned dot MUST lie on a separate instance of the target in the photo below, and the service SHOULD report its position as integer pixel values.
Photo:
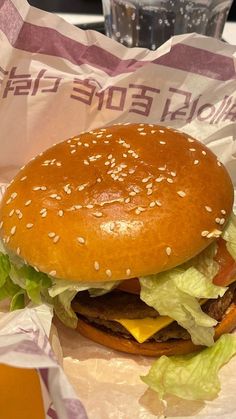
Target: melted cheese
(143, 329)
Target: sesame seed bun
(171, 347)
(116, 203)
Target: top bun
(115, 203)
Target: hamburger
(128, 232)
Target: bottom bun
(177, 347)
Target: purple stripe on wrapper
(52, 413)
(43, 40)
(74, 409)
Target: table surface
(229, 34)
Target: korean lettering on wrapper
(137, 98)
(18, 83)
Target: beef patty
(102, 311)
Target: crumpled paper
(24, 343)
(56, 81)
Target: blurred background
(88, 6)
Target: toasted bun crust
(116, 203)
(178, 347)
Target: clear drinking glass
(149, 23)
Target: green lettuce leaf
(193, 376)
(18, 301)
(30, 280)
(63, 310)
(5, 267)
(229, 235)
(176, 294)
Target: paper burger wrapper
(57, 81)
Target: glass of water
(149, 23)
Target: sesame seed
(127, 200)
(108, 272)
(158, 203)
(223, 211)
(23, 178)
(173, 174)
(42, 210)
(13, 230)
(29, 225)
(28, 202)
(81, 188)
(196, 162)
(11, 212)
(109, 136)
(204, 233)
(73, 151)
(18, 250)
(14, 195)
(190, 140)
(140, 129)
(44, 214)
(142, 133)
(161, 168)
(169, 180)
(203, 152)
(56, 239)
(181, 193)
(222, 221)
(152, 204)
(217, 220)
(53, 273)
(149, 185)
(60, 213)
(192, 149)
(168, 250)
(149, 192)
(112, 226)
(67, 189)
(81, 240)
(208, 209)
(90, 206)
(146, 179)
(8, 201)
(96, 266)
(159, 179)
(97, 214)
(214, 233)
(51, 234)
(219, 163)
(153, 131)
(1, 224)
(162, 142)
(128, 272)
(99, 180)
(86, 162)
